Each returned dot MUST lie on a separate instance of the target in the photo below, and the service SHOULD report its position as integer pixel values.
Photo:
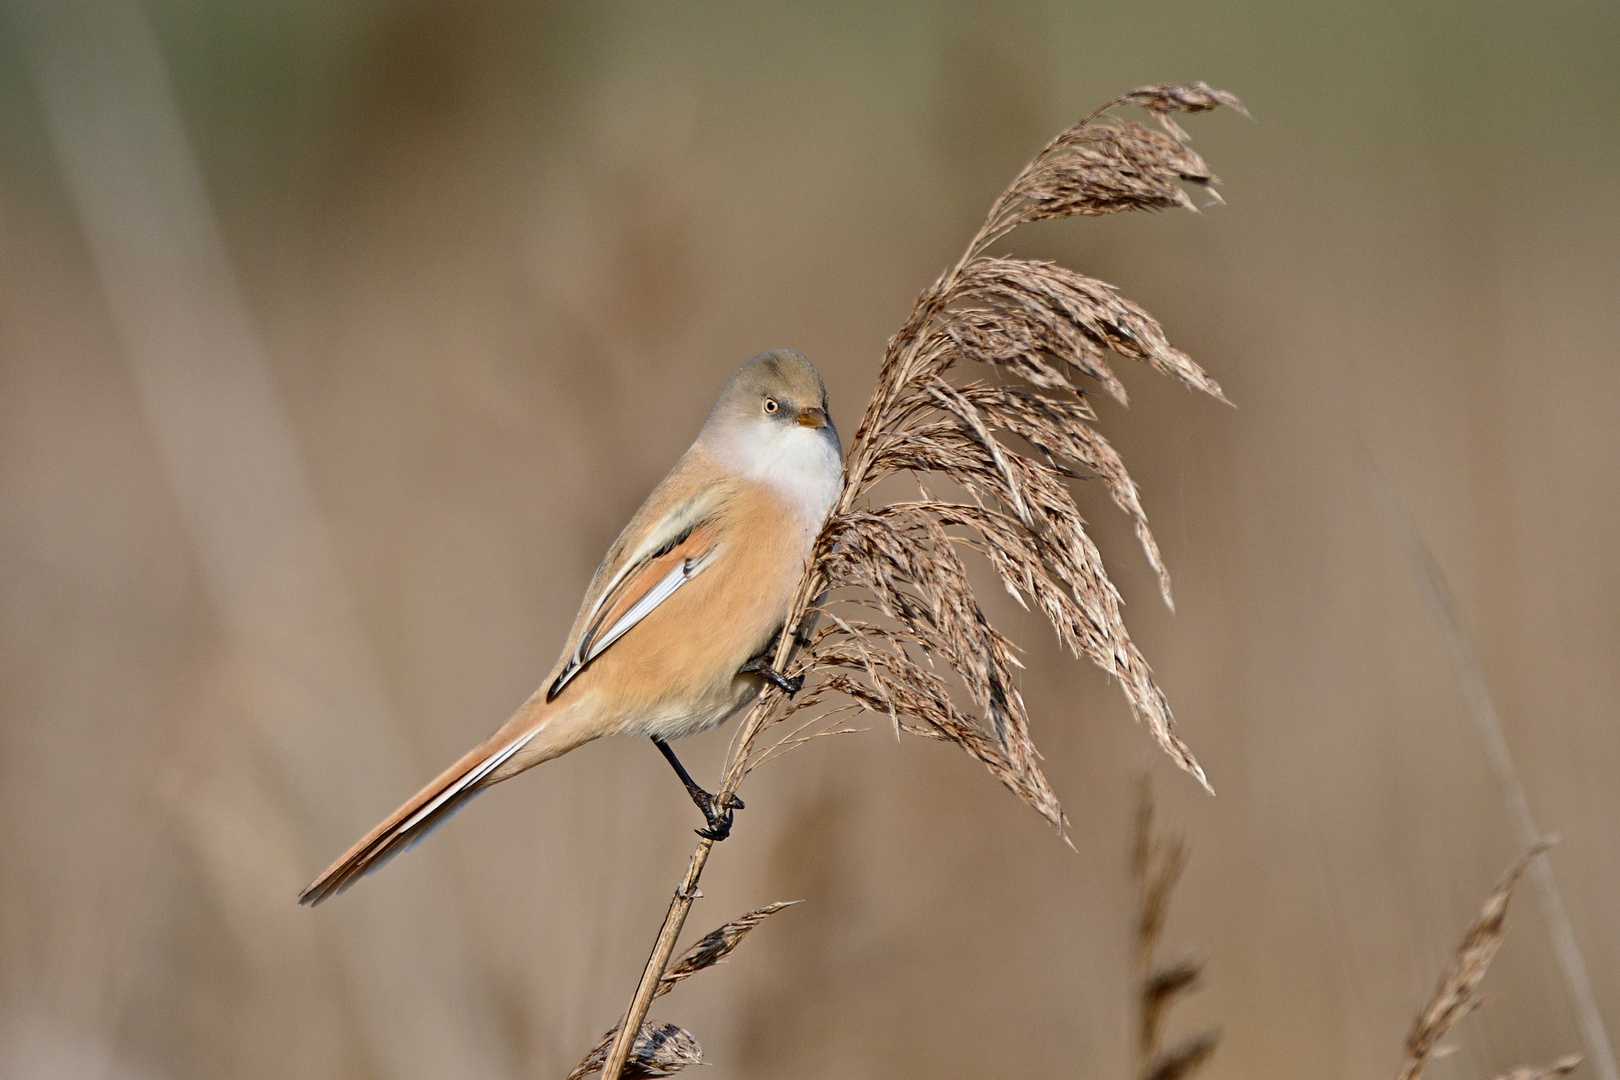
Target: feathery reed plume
(1183, 1059)
(1031, 336)
(889, 580)
(1164, 101)
(716, 945)
(1156, 865)
(1456, 994)
(665, 1046)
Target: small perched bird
(676, 629)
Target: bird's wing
(677, 548)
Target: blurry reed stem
(1437, 597)
(263, 552)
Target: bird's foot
(717, 816)
(758, 666)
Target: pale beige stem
(737, 767)
(663, 948)
(686, 891)
(1437, 595)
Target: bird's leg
(802, 631)
(718, 817)
(760, 666)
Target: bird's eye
(771, 406)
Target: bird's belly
(678, 719)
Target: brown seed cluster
(716, 945)
(1550, 1071)
(983, 392)
(1157, 863)
(659, 1050)
(1457, 993)
(1169, 98)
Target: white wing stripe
(671, 529)
(478, 772)
(679, 575)
(683, 572)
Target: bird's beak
(812, 418)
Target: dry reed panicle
(888, 582)
(1156, 865)
(1457, 993)
(1032, 339)
(1562, 1067)
(659, 1050)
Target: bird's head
(771, 424)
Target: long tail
(426, 811)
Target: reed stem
(663, 948)
(1482, 709)
(686, 892)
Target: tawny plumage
(689, 597)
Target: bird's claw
(788, 685)
(719, 827)
(717, 816)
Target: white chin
(801, 463)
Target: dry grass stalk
(1457, 993)
(716, 945)
(889, 581)
(670, 1050)
(1437, 595)
(1183, 1059)
(1157, 864)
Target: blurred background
(338, 340)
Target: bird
(677, 628)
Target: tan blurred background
(496, 259)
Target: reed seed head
(659, 1050)
(1183, 1059)
(1157, 863)
(715, 946)
(1165, 100)
(1457, 993)
(984, 390)
(668, 1047)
